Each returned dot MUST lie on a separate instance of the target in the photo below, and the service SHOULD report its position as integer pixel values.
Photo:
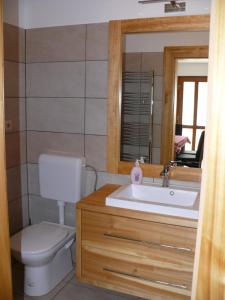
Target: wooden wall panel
(209, 277)
(5, 264)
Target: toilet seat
(39, 238)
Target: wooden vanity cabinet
(138, 253)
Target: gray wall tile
(156, 136)
(153, 61)
(33, 179)
(15, 216)
(15, 112)
(42, 209)
(96, 79)
(48, 142)
(15, 149)
(158, 91)
(96, 116)
(64, 79)
(56, 114)
(16, 182)
(97, 41)
(132, 62)
(14, 43)
(14, 80)
(95, 151)
(62, 43)
(156, 155)
(157, 112)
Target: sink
(155, 199)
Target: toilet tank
(60, 177)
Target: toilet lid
(38, 238)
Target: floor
(68, 289)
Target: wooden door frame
(5, 258)
(171, 54)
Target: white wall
(155, 42)
(44, 13)
(191, 69)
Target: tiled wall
(148, 62)
(15, 116)
(60, 107)
(66, 89)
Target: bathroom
(66, 114)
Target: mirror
(116, 31)
(142, 96)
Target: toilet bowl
(45, 250)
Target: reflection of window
(191, 107)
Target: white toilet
(45, 248)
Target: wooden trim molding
(209, 276)
(168, 126)
(116, 31)
(5, 258)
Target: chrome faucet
(165, 172)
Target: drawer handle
(148, 243)
(180, 286)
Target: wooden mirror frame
(116, 31)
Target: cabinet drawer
(119, 271)
(172, 245)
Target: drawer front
(124, 273)
(172, 246)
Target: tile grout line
(26, 121)
(85, 86)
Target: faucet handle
(174, 163)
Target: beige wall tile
(15, 112)
(14, 43)
(61, 43)
(96, 116)
(95, 151)
(15, 216)
(96, 79)
(14, 79)
(132, 62)
(64, 79)
(56, 114)
(48, 142)
(97, 41)
(15, 149)
(16, 182)
(153, 61)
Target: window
(191, 107)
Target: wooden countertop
(96, 202)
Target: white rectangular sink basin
(168, 201)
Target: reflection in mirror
(142, 96)
(191, 86)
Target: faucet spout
(165, 172)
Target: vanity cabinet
(138, 253)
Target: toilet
(45, 248)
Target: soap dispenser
(136, 173)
